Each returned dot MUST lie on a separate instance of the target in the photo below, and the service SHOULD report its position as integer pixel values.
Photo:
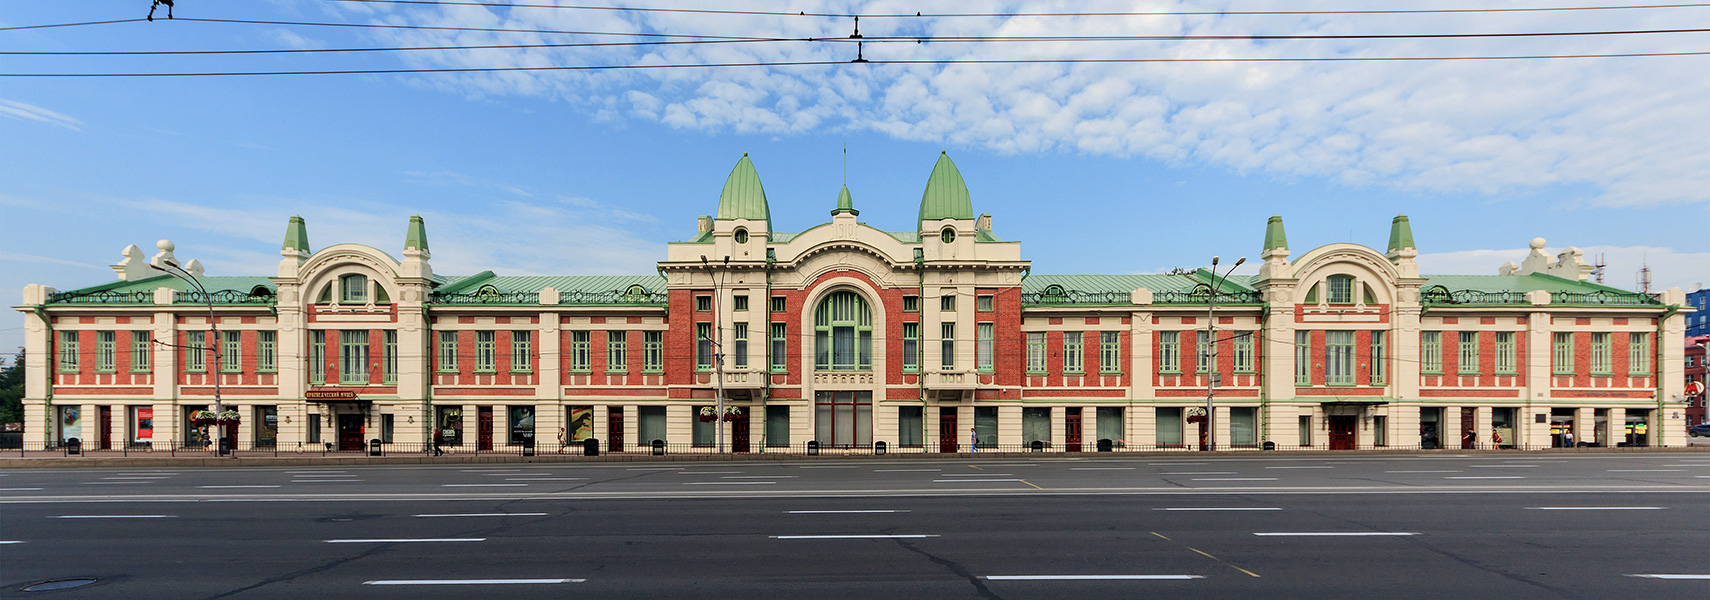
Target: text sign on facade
(329, 395)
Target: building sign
(329, 395)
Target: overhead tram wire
(871, 62)
(707, 39)
(923, 15)
(51, 25)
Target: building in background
(1695, 372)
(1698, 323)
(847, 335)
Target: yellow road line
(1034, 486)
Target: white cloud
(31, 112)
(1630, 129)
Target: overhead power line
(79, 24)
(870, 62)
(703, 39)
(922, 15)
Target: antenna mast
(1644, 277)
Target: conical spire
(845, 203)
(296, 236)
(946, 194)
(1274, 236)
(743, 197)
(416, 237)
(1400, 234)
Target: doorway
(349, 433)
(614, 429)
(1072, 429)
(484, 428)
(1342, 432)
(106, 431)
(739, 432)
(1469, 428)
(947, 429)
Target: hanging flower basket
(1196, 418)
(731, 413)
(203, 418)
(708, 414)
(229, 417)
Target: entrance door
(1072, 429)
(1342, 432)
(1469, 428)
(349, 433)
(484, 439)
(947, 430)
(614, 429)
(106, 421)
(739, 433)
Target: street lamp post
(213, 334)
(1211, 364)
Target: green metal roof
(416, 236)
(743, 197)
(574, 283)
(1516, 283)
(296, 235)
(946, 195)
(1400, 234)
(845, 203)
(1274, 236)
(214, 283)
(1094, 284)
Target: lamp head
(1240, 260)
(1213, 261)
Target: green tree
(12, 389)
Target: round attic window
(948, 235)
(742, 236)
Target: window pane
(984, 347)
(1073, 352)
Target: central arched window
(843, 333)
(353, 289)
(1341, 289)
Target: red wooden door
(614, 429)
(484, 432)
(947, 430)
(1469, 428)
(1342, 432)
(739, 433)
(349, 433)
(1072, 429)
(106, 428)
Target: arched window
(635, 293)
(1341, 289)
(1054, 294)
(843, 333)
(353, 289)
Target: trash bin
(528, 443)
(813, 447)
(225, 447)
(1038, 445)
(1270, 445)
(590, 447)
(879, 448)
(73, 446)
(1104, 445)
(373, 447)
(659, 447)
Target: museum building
(845, 336)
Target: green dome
(845, 203)
(743, 198)
(946, 194)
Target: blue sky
(1095, 168)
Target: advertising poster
(581, 423)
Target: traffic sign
(1695, 388)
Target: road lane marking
(729, 483)
(471, 581)
(1217, 508)
(976, 474)
(707, 472)
(431, 516)
(115, 516)
(1646, 470)
(1030, 484)
(655, 468)
(483, 485)
(830, 467)
(1332, 533)
(314, 472)
(1448, 471)
(761, 477)
(1234, 479)
(1091, 577)
(906, 470)
(1502, 466)
(886, 536)
(840, 512)
(231, 487)
(151, 473)
(1101, 468)
(1323, 467)
(491, 470)
(20, 489)
(1671, 575)
(4, 542)
(1225, 563)
(405, 540)
(1175, 464)
(546, 479)
(970, 480)
(1594, 508)
(113, 482)
(139, 477)
(326, 481)
(1487, 477)
(1200, 473)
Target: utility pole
(1211, 363)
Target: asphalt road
(1485, 526)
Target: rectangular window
(703, 303)
(1339, 357)
(267, 351)
(911, 427)
(1562, 355)
(653, 351)
(231, 352)
(703, 346)
(448, 352)
(1202, 351)
(1109, 425)
(911, 303)
(1243, 426)
(985, 303)
(652, 425)
(1431, 351)
(1035, 426)
(780, 347)
(196, 352)
(947, 344)
(741, 301)
(777, 426)
(1073, 352)
(983, 333)
(314, 434)
(1341, 289)
(68, 352)
(388, 356)
(1380, 355)
(617, 351)
(106, 358)
(387, 428)
(142, 349)
(1468, 352)
(1305, 431)
(580, 360)
(1639, 353)
(318, 356)
(353, 357)
(1169, 352)
(1601, 357)
(947, 303)
(986, 425)
(1168, 426)
(1036, 352)
(911, 346)
(1505, 355)
(1303, 358)
(522, 351)
(486, 354)
(741, 346)
(1244, 352)
(701, 435)
(778, 304)
(1110, 352)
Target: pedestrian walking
(974, 438)
(560, 440)
(1496, 439)
(1567, 438)
(438, 439)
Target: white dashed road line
(405, 540)
(1091, 577)
(431, 516)
(1218, 508)
(1333, 533)
(470, 581)
(907, 536)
